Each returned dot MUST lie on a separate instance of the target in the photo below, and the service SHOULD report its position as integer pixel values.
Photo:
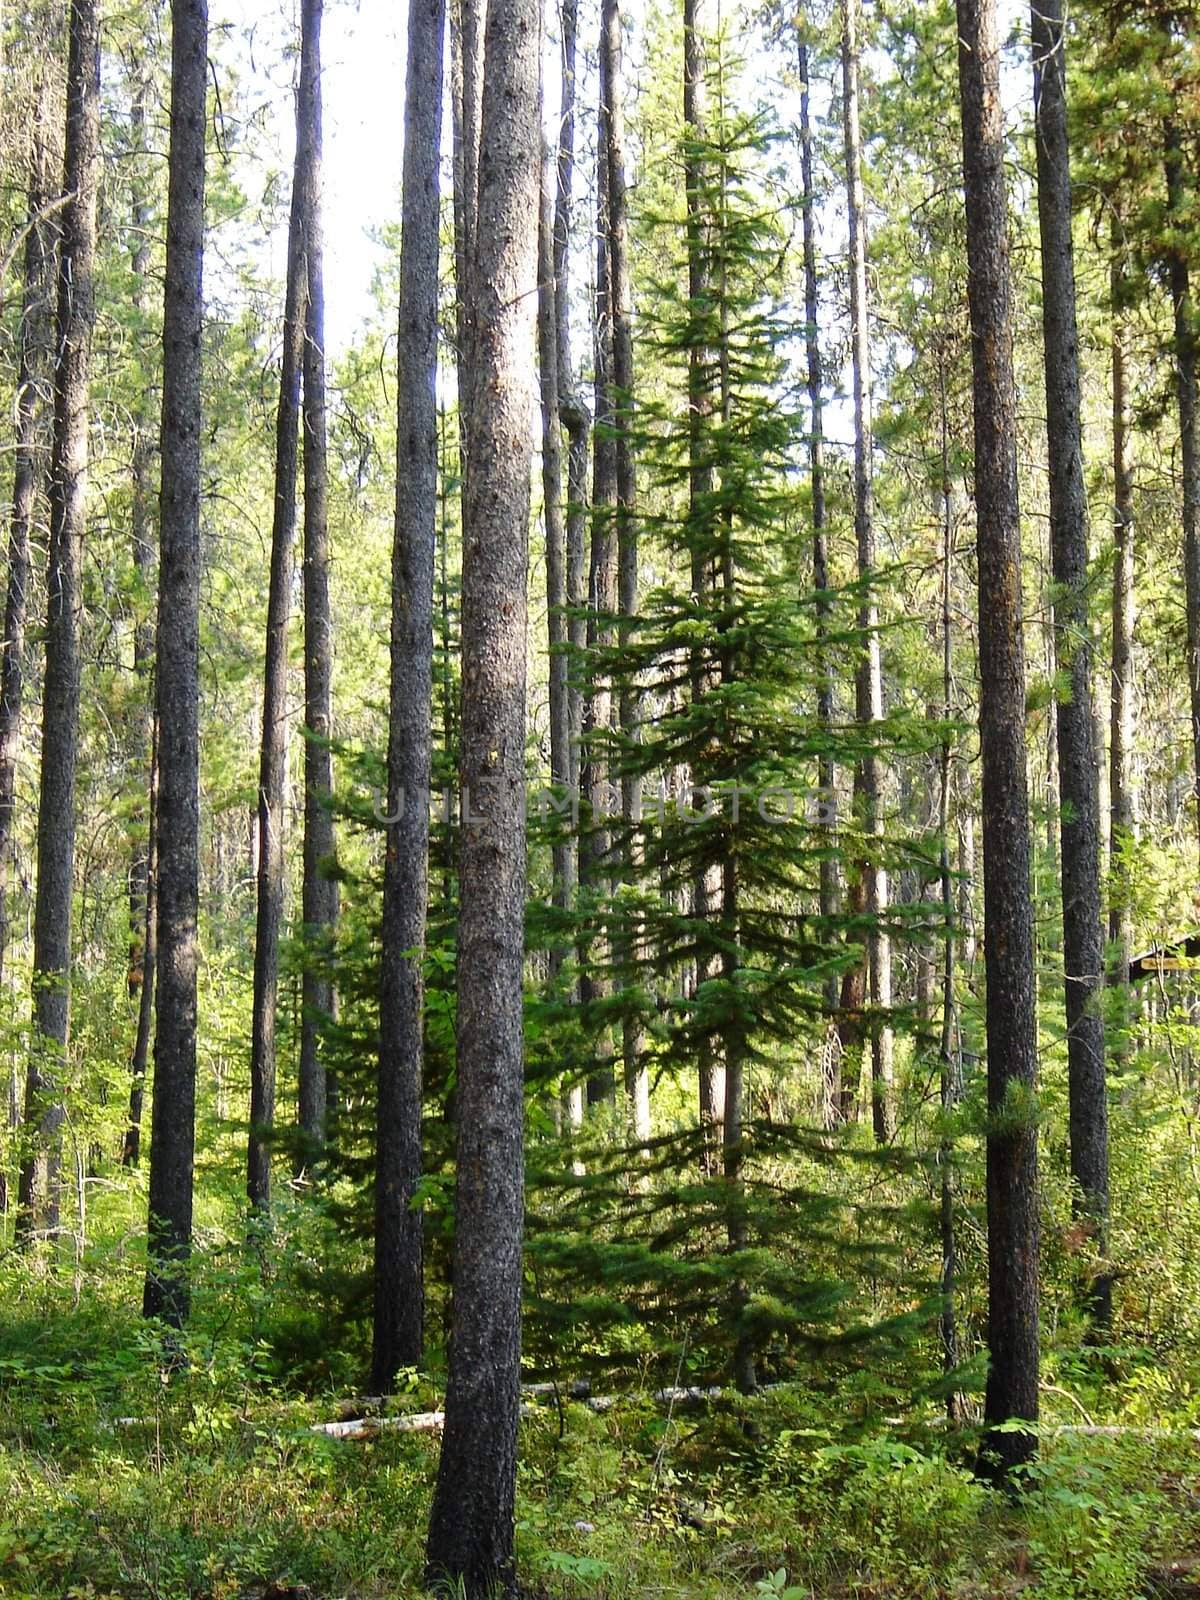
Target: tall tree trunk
(399, 1300)
(1124, 621)
(471, 1524)
(562, 853)
(272, 772)
(33, 368)
(34, 364)
(60, 696)
(141, 953)
(612, 118)
(177, 678)
(831, 1095)
(1012, 1156)
(1083, 948)
(1179, 275)
(576, 423)
(596, 841)
(706, 890)
(951, 1059)
(319, 895)
(869, 683)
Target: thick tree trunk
(869, 682)
(320, 898)
(60, 694)
(1083, 947)
(399, 1299)
(177, 658)
(1124, 621)
(471, 1524)
(272, 772)
(1012, 1157)
(830, 887)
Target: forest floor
(211, 1484)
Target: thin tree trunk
(1124, 622)
(1012, 1157)
(869, 683)
(1179, 274)
(563, 852)
(131, 1149)
(273, 758)
(596, 841)
(612, 117)
(706, 890)
(951, 1061)
(830, 888)
(177, 667)
(319, 895)
(576, 422)
(466, 89)
(471, 1524)
(44, 1086)
(141, 943)
(399, 1297)
(1083, 949)
(33, 368)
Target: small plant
(776, 1587)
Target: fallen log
(431, 1421)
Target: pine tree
(1083, 952)
(177, 654)
(76, 315)
(398, 1321)
(471, 1523)
(1012, 1164)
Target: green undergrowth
(118, 1478)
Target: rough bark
(177, 657)
(471, 1525)
(319, 894)
(399, 1310)
(869, 680)
(1012, 1160)
(75, 320)
(1083, 946)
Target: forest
(599, 800)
